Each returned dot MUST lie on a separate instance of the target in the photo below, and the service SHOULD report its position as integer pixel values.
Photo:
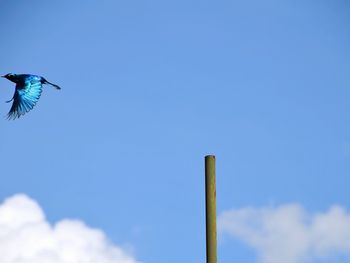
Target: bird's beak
(3, 76)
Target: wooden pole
(210, 206)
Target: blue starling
(27, 93)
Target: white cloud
(26, 237)
(288, 233)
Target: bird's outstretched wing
(25, 98)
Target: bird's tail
(54, 85)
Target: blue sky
(150, 87)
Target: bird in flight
(27, 93)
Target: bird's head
(9, 76)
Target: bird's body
(27, 93)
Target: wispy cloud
(288, 233)
(26, 237)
